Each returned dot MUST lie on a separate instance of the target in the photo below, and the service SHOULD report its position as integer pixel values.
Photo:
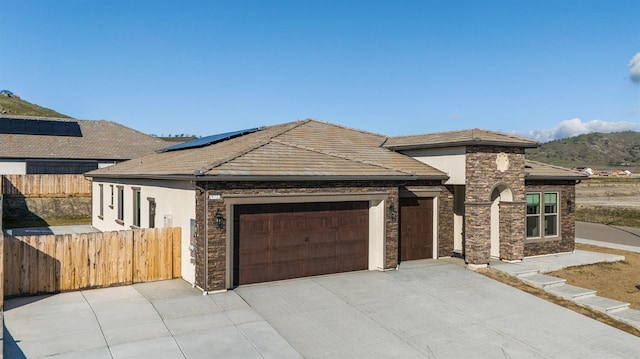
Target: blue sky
(539, 68)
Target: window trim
(542, 215)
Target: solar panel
(23, 126)
(208, 140)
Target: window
(533, 215)
(121, 204)
(542, 215)
(136, 207)
(111, 203)
(101, 215)
(152, 212)
(550, 214)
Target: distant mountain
(11, 104)
(620, 150)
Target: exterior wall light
(220, 220)
(392, 212)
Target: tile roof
(307, 148)
(541, 171)
(101, 140)
(458, 138)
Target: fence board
(52, 263)
(34, 185)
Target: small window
(136, 207)
(111, 203)
(121, 203)
(152, 212)
(101, 214)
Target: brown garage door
(416, 228)
(282, 241)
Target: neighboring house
(43, 145)
(309, 197)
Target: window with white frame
(542, 214)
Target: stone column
(478, 234)
(512, 230)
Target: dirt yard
(611, 280)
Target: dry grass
(611, 215)
(610, 280)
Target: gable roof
(534, 170)
(99, 140)
(307, 149)
(471, 137)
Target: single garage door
(416, 228)
(282, 241)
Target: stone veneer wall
(567, 229)
(482, 175)
(445, 222)
(216, 238)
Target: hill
(11, 104)
(619, 150)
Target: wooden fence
(58, 263)
(46, 185)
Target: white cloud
(575, 127)
(634, 67)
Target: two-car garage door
(282, 241)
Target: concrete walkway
(531, 271)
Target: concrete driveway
(427, 309)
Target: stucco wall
(450, 160)
(8, 167)
(175, 207)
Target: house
(44, 145)
(309, 197)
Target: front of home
(308, 198)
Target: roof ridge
(550, 165)
(470, 130)
(338, 155)
(347, 127)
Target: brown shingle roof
(534, 170)
(458, 138)
(101, 140)
(306, 148)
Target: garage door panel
(303, 239)
(416, 228)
